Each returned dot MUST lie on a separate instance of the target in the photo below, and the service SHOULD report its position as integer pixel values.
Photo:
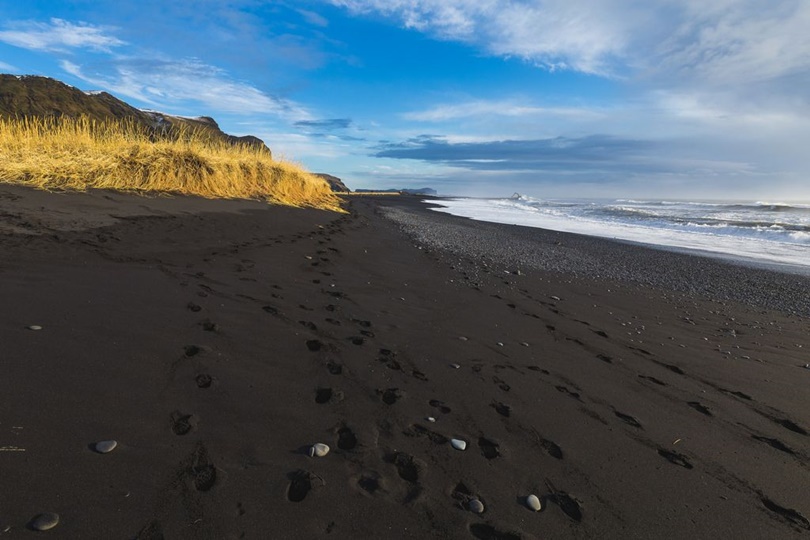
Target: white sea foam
(761, 231)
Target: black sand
(216, 341)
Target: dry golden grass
(79, 154)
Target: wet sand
(217, 341)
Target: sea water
(774, 233)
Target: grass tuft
(78, 154)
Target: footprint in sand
(209, 326)
(407, 467)
(300, 485)
(775, 443)
(484, 531)
(182, 424)
(346, 439)
(789, 514)
(390, 396)
(192, 350)
(309, 324)
(369, 482)
(565, 390)
(489, 449)
(551, 448)
(152, 531)
(203, 380)
(202, 470)
(502, 409)
(626, 418)
(327, 395)
(415, 430)
(419, 375)
(675, 458)
(439, 405)
(699, 407)
(334, 368)
(652, 380)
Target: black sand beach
(638, 393)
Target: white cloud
(744, 42)
(59, 35)
(555, 34)
(8, 67)
(477, 108)
(170, 83)
(722, 42)
(315, 19)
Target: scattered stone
(462, 338)
(533, 503)
(476, 506)
(500, 344)
(458, 444)
(45, 522)
(35, 327)
(524, 343)
(430, 419)
(557, 298)
(105, 447)
(319, 450)
(455, 366)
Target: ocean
(774, 233)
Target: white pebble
(462, 338)
(319, 450)
(458, 444)
(430, 419)
(455, 366)
(476, 506)
(533, 503)
(557, 298)
(105, 447)
(35, 327)
(45, 522)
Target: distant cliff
(29, 95)
(334, 182)
(409, 191)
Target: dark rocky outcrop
(334, 182)
(34, 96)
(407, 191)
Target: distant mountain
(409, 191)
(334, 182)
(29, 95)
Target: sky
(681, 99)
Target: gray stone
(105, 447)
(458, 444)
(318, 450)
(46, 521)
(533, 503)
(476, 506)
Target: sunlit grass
(80, 154)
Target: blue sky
(550, 98)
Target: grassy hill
(53, 136)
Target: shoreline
(756, 283)
(217, 341)
(752, 262)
